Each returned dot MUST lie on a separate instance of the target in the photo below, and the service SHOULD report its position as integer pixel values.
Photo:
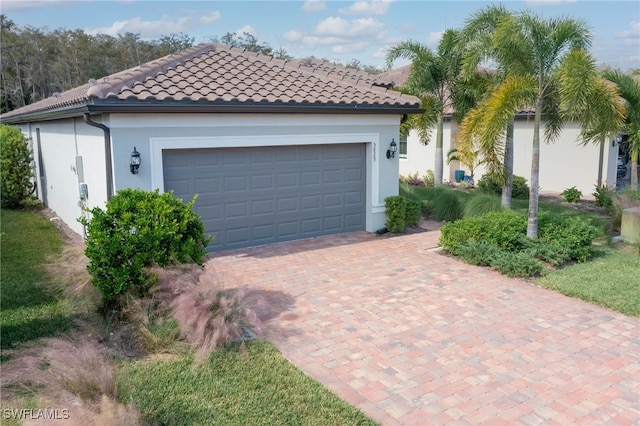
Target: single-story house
(563, 164)
(274, 150)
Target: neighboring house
(563, 164)
(274, 150)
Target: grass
(610, 279)
(28, 309)
(234, 386)
(242, 384)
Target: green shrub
(16, 172)
(412, 213)
(491, 184)
(479, 253)
(517, 264)
(604, 196)
(504, 229)
(429, 179)
(481, 203)
(445, 204)
(571, 195)
(571, 233)
(139, 229)
(396, 211)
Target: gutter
(107, 151)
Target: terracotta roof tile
(217, 74)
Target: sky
(341, 31)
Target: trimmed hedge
(498, 239)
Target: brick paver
(413, 337)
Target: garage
(250, 196)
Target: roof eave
(195, 107)
(47, 115)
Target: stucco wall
(60, 142)
(150, 134)
(563, 164)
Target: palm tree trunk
(601, 158)
(634, 170)
(439, 160)
(508, 166)
(534, 191)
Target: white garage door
(263, 195)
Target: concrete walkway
(413, 337)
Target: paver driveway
(413, 337)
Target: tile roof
(221, 76)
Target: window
(403, 147)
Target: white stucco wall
(563, 164)
(62, 140)
(151, 133)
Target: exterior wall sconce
(391, 152)
(135, 161)
(617, 140)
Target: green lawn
(28, 309)
(611, 279)
(253, 386)
(233, 387)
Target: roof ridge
(112, 83)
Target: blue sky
(335, 30)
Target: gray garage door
(262, 195)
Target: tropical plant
(16, 171)
(571, 195)
(476, 45)
(629, 89)
(534, 55)
(431, 77)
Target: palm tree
(431, 75)
(629, 89)
(476, 43)
(530, 51)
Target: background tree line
(37, 62)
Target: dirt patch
(67, 234)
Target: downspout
(107, 151)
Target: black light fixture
(391, 152)
(135, 161)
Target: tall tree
(476, 45)
(531, 51)
(431, 76)
(629, 89)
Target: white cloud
(630, 36)
(210, 17)
(356, 28)
(433, 39)
(374, 7)
(313, 6)
(146, 29)
(249, 30)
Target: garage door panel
(262, 182)
(287, 180)
(262, 207)
(252, 196)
